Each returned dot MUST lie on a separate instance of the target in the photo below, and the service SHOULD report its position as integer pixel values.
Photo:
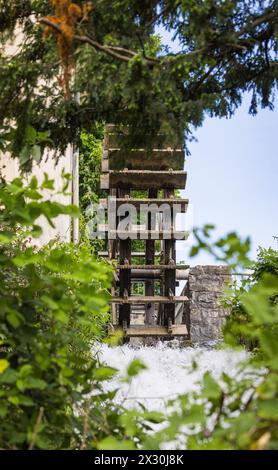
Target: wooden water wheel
(158, 173)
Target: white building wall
(9, 169)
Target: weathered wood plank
(144, 179)
(136, 159)
(124, 276)
(134, 254)
(104, 181)
(183, 203)
(144, 330)
(153, 266)
(150, 259)
(157, 274)
(120, 135)
(169, 275)
(104, 165)
(143, 299)
(146, 234)
(119, 140)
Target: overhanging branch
(126, 55)
(114, 51)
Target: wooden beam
(134, 254)
(122, 140)
(153, 266)
(119, 135)
(143, 179)
(143, 299)
(146, 274)
(135, 159)
(143, 274)
(146, 234)
(169, 249)
(183, 203)
(104, 181)
(150, 259)
(105, 165)
(144, 330)
(124, 276)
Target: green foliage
(90, 155)
(53, 309)
(53, 306)
(228, 249)
(267, 262)
(127, 73)
(236, 412)
(28, 148)
(240, 412)
(237, 326)
(90, 167)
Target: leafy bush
(266, 263)
(53, 306)
(90, 167)
(89, 179)
(232, 412)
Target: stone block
(203, 314)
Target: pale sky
(232, 179)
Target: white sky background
(232, 179)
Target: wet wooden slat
(143, 179)
(143, 299)
(153, 266)
(144, 330)
(136, 159)
(147, 234)
(183, 203)
(135, 254)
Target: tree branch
(113, 51)
(36, 428)
(257, 22)
(240, 45)
(126, 55)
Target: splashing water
(168, 374)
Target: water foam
(168, 374)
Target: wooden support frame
(143, 179)
(134, 254)
(152, 170)
(183, 203)
(169, 275)
(143, 234)
(161, 267)
(124, 275)
(150, 258)
(157, 159)
(143, 300)
(154, 331)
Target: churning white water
(168, 374)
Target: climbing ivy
(90, 154)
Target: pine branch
(113, 51)
(126, 55)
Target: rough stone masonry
(203, 314)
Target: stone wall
(203, 314)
